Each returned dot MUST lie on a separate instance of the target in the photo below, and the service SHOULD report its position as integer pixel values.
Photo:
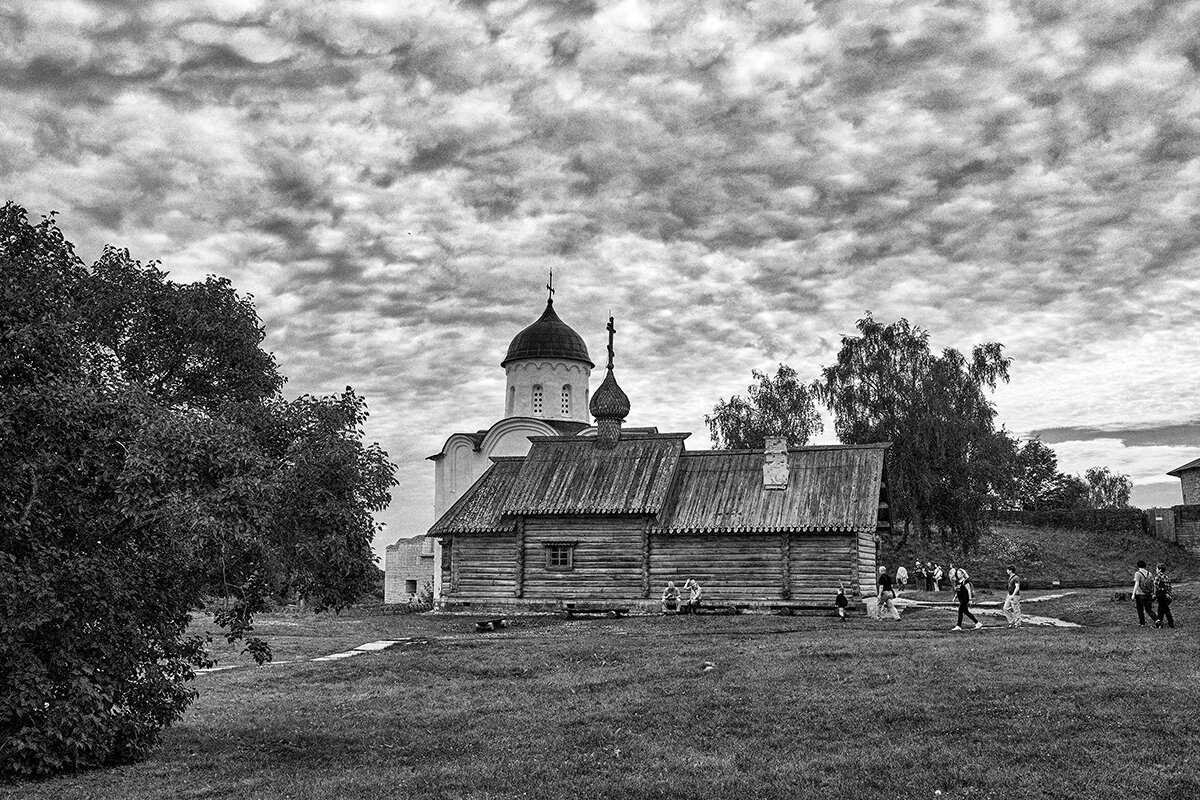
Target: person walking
(1143, 593)
(1012, 602)
(885, 594)
(1162, 593)
(937, 577)
(901, 579)
(929, 576)
(962, 591)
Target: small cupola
(610, 404)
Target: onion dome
(609, 401)
(549, 337)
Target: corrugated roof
(829, 488)
(1190, 465)
(479, 509)
(571, 475)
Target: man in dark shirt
(885, 594)
(1012, 603)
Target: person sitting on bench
(670, 599)
(693, 600)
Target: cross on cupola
(610, 405)
(550, 286)
(611, 331)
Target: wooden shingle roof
(571, 475)
(829, 488)
(478, 510)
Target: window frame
(559, 548)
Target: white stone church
(547, 367)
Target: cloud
(737, 183)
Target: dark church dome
(610, 400)
(549, 337)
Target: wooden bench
(716, 608)
(593, 610)
(789, 609)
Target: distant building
(612, 516)
(1189, 477)
(1186, 517)
(547, 369)
(409, 569)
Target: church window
(566, 400)
(560, 556)
(410, 588)
(537, 401)
(512, 401)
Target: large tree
(947, 458)
(150, 467)
(1107, 489)
(775, 406)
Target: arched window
(537, 400)
(566, 400)
(512, 401)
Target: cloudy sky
(737, 182)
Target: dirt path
(992, 608)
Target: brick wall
(1187, 527)
(1191, 487)
(408, 565)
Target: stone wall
(1187, 527)
(408, 566)
(1125, 520)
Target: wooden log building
(610, 517)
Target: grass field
(793, 707)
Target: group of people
(674, 601)
(887, 590)
(931, 576)
(1150, 589)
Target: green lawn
(794, 707)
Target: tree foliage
(946, 458)
(1037, 485)
(1107, 489)
(779, 406)
(149, 463)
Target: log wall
(607, 558)
(818, 562)
(730, 568)
(483, 566)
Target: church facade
(547, 370)
(609, 514)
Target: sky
(736, 182)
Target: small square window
(410, 587)
(560, 556)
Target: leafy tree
(778, 406)
(1065, 493)
(947, 460)
(1036, 472)
(148, 463)
(1107, 489)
